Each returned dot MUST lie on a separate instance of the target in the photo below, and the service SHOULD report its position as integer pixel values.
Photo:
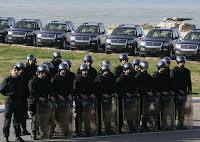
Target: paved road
(173, 136)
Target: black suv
(56, 34)
(160, 41)
(25, 31)
(5, 24)
(190, 45)
(89, 36)
(125, 38)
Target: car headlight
(73, 38)
(142, 43)
(130, 41)
(39, 35)
(165, 44)
(9, 32)
(94, 38)
(59, 35)
(178, 46)
(29, 33)
(108, 41)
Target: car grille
(48, 36)
(189, 46)
(154, 44)
(118, 41)
(19, 33)
(83, 38)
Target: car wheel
(97, 47)
(170, 54)
(34, 42)
(6, 39)
(63, 44)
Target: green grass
(11, 54)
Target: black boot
(6, 139)
(19, 139)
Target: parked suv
(89, 36)
(56, 34)
(25, 31)
(160, 41)
(125, 38)
(190, 45)
(5, 24)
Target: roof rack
(196, 29)
(30, 19)
(61, 21)
(128, 25)
(157, 27)
(7, 17)
(92, 23)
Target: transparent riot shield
(131, 114)
(64, 119)
(184, 112)
(150, 113)
(44, 120)
(167, 113)
(88, 117)
(109, 124)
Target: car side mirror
(69, 30)
(103, 32)
(176, 37)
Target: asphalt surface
(169, 136)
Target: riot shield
(88, 117)
(167, 115)
(109, 124)
(131, 114)
(150, 113)
(64, 119)
(184, 112)
(44, 120)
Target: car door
(138, 37)
(103, 35)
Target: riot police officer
(106, 84)
(88, 59)
(126, 90)
(163, 87)
(146, 90)
(22, 67)
(63, 85)
(14, 89)
(57, 55)
(40, 90)
(136, 66)
(51, 72)
(85, 91)
(181, 80)
(70, 65)
(168, 61)
(31, 67)
(123, 58)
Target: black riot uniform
(146, 84)
(126, 84)
(104, 62)
(30, 69)
(39, 88)
(51, 72)
(21, 67)
(55, 62)
(69, 64)
(181, 80)
(92, 71)
(14, 90)
(85, 86)
(106, 84)
(136, 62)
(119, 69)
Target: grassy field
(11, 54)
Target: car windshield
(26, 25)
(55, 27)
(160, 34)
(124, 31)
(88, 29)
(193, 36)
(3, 23)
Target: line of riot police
(129, 100)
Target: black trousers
(16, 110)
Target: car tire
(170, 52)
(63, 44)
(34, 42)
(5, 38)
(97, 47)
